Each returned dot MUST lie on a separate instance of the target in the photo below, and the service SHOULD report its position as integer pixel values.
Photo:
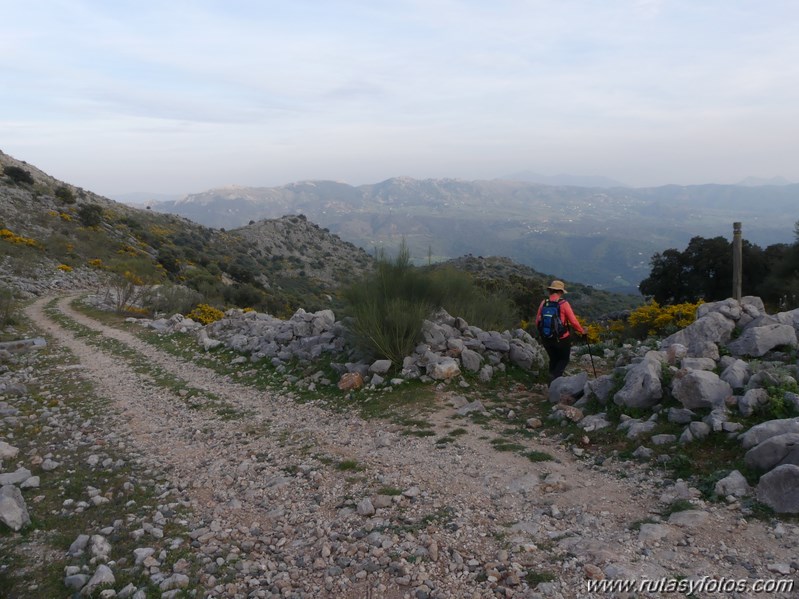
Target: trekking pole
(591, 355)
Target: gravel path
(317, 504)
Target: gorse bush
(11, 237)
(648, 320)
(205, 314)
(388, 307)
(654, 319)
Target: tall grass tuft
(459, 295)
(388, 307)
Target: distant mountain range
(564, 179)
(143, 198)
(604, 237)
(759, 181)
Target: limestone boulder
(736, 373)
(13, 511)
(567, 389)
(471, 360)
(712, 328)
(642, 384)
(444, 369)
(734, 484)
(600, 387)
(700, 389)
(779, 489)
(774, 451)
(729, 308)
(759, 340)
(760, 432)
(751, 401)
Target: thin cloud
(357, 90)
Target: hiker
(555, 320)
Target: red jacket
(566, 315)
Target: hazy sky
(181, 96)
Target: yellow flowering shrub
(65, 267)
(160, 231)
(128, 250)
(205, 314)
(10, 237)
(96, 263)
(656, 319)
(594, 332)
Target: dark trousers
(559, 352)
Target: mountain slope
(58, 235)
(301, 247)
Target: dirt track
(467, 521)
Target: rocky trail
(264, 496)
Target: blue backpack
(551, 326)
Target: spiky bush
(388, 307)
(459, 295)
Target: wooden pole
(737, 261)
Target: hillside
(301, 247)
(60, 236)
(603, 237)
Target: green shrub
(90, 215)
(244, 296)
(65, 194)
(18, 174)
(172, 299)
(460, 296)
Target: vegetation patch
(538, 456)
(349, 466)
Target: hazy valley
(602, 237)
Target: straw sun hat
(557, 286)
